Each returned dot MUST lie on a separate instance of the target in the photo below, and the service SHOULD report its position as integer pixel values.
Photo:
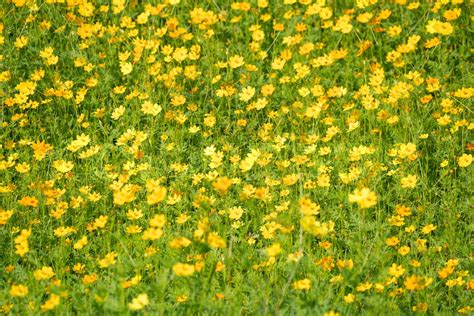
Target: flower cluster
(244, 156)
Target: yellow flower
(125, 194)
(222, 184)
(236, 61)
(235, 213)
(435, 41)
(21, 42)
(152, 233)
(182, 298)
(63, 166)
(465, 160)
(247, 94)
(407, 150)
(80, 243)
(307, 207)
(316, 228)
(179, 242)
(40, 149)
(364, 197)
(363, 287)
(99, 222)
(29, 201)
(80, 142)
(428, 229)
(132, 282)
(44, 273)
(157, 195)
(451, 15)
(126, 68)
(183, 269)
(151, 108)
(5, 216)
(404, 250)
(51, 303)
(22, 248)
(22, 167)
(349, 298)
(18, 290)
(21, 242)
(345, 264)
(159, 220)
(117, 113)
(437, 27)
(89, 279)
(396, 270)
(209, 120)
(267, 90)
(304, 284)
(133, 229)
(414, 282)
(134, 214)
(273, 250)
(139, 302)
(86, 9)
(215, 241)
(178, 100)
(19, 3)
(108, 260)
(409, 181)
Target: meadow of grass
(218, 157)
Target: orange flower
(29, 201)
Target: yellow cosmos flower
(126, 68)
(139, 302)
(157, 195)
(18, 290)
(409, 181)
(364, 197)
(236, 61)
(44, 273)
(349, 298)
(236, 212)
(465, 160)
(273, 250)
(215, 241)
(63, 166)
(152, 109)
(183, 269)
(51, 303)
(304, 284)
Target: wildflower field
(301, 157)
